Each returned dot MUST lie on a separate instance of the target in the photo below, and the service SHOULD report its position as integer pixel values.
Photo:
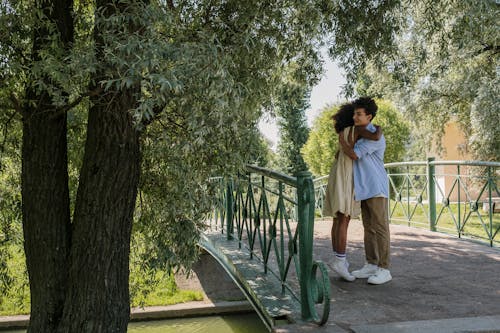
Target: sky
(328, 91)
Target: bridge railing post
(229, 210)
(431, 193)
(491, 207)
(305, 203)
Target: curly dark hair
(368, 104)
(343, 117)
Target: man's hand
(346, 147)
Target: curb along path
(182, 310)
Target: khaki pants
(376, 233)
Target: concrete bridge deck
(440, 284)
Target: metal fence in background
(454, 197)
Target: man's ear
(370, 117)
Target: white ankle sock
(340, 256)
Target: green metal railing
(272, 214)
(454, 197)
(320, 193)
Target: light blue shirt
(370, 177)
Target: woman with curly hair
(339, 200)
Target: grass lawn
(474, 224)
(157, 290)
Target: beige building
(454, 144)
(466, 187)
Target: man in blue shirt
(372, 189)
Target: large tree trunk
(79, 273)
(46, 214)
(98, 295)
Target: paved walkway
(437, 279)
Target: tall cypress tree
(294, 101)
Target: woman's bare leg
(334, 232)
(341, 233)
(339, 242)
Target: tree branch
(171, 121)
(207, 14)
(486, 48)
(16, 103)
(157, 112)
(77, 101)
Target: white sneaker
(382, 276)
(340, 267)
(365, 272)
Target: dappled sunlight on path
(435, 276)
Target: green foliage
(361, 31)
(157, 288)
(10, 197)
(205, 72)
(485, 132)
(447, 223)
(148, 287)
(321, 145)
(396, 131)
(16, 298)
(260, 152)
(320, 149)
(175, 194)
(444, 68)
(293, 102)
(202, 91)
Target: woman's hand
(346, 147)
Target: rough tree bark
(44, 177)
(98, 295)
